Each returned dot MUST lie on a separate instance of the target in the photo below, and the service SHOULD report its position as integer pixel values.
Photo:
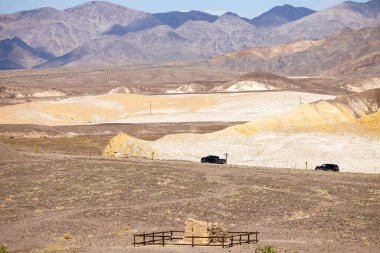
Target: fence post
(232, 240)
(134, 240)
(223, 241)
(192, 241)
(163, 239)
(153, 238)
(256, 238)
(144, 238)
(171, 235)
(240, 239)
(248, 238)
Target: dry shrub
(115, 233)
(3, 249)
(127, 228)
(266, 249)
(67, 236)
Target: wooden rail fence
(175, 237)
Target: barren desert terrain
(107, 113)
(66, 203)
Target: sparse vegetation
(127, 228)
(233, 195)
(266, 249)
(67, 236)
(271, 249)
(116, 233)
(4, 249)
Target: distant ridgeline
(101, 33)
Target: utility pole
(28, 102)
(226, 154)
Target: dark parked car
(213, 159)
(326, 167)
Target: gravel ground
(66, 203)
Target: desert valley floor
(120, 120)
(84, 172)
(60, 191)
(55, 202)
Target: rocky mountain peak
(280, 15)
(230, 14)
(98, 5)
(230, 18)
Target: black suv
(326, 167)
(213, 159)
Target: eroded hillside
(344, 130)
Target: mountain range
(101, 33)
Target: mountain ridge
(175, 19)
(65, 34)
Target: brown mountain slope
(337, 54)
(360, 104)
(362, 83)
(266, 53)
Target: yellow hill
(123, 145)
(321, 115)
(355, 114)
(371, 123)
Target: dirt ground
(67, 203)
(91, 139)
(141, 79)
(145, 131)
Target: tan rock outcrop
(204, 229)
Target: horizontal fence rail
(176, 237)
